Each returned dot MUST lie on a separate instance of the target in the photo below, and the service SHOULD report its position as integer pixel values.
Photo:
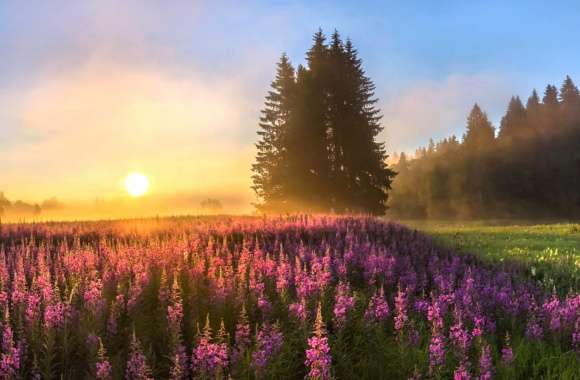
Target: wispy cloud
(439, 108)
(80, 133)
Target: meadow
(316, 297)
(547, 253)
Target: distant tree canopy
(317, 148)
(18, 207)
(531, 169)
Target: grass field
(548, 253)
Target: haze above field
(92, 91)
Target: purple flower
(137, 368)
(209, 358)
(576, 335)
(533, 329)
(318, 358)
(179, 365)
(462, 372)
(485, 364)
(435, 313)
(104, 371)
(378, 309)
(10, 359)
(436, 351)
(264, 305)
(175, 307)
(343, 303)
(54, 315)
(242, 334)
(459, 335)
(269, 341)
(507, 355)
(92, 295)
(298, 310)
(401, 316)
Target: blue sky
(429, 60)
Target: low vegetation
(271, 298)
(547, 253)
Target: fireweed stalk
(318, 358)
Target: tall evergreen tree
(270, 177)
(329, 152)
(570, 100)
(569, 92)
(513, 124)
(550, 98)
(533, 101)
(308, 151)
(480, 133)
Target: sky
(93, 90)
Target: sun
(136, 184)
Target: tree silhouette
(532, 169)
(270, 170)
(328, 153)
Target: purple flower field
(283, 298)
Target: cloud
(80, 133)
(439, 108)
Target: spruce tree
(533, 113)
(322, 154)
(550, 108)
(550, 98)
(478, 140)
(307, 143)
(570, 101)
(362, 158)
(480, 133)
(569, 92)
(533, 101)
(513, 124)
(270, 169)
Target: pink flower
(179, 365)
(485, 364)
(208, 357)
(378, 309)
(298, 310)
(54, 315)
(175, 309)
(343, 303)
(242, 334)
(507, 355)
(459, 335)
(10, 359)
(462, 372)
(576, 335)
(104, 371)
(268, 343)
(137, 368)
(401, 316)
(92, 296)
(436, 351)
(318, 358)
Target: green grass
(547, 253)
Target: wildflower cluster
(125, 299)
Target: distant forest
(22, 208)
(530, 168)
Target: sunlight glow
(136, 184)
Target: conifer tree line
(318, 148)
(529, 168)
